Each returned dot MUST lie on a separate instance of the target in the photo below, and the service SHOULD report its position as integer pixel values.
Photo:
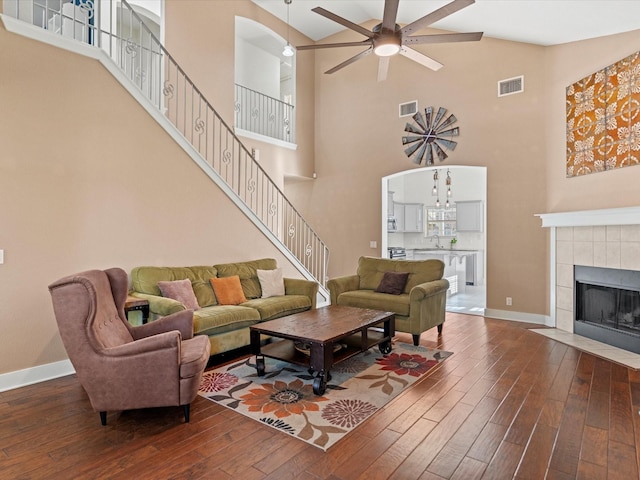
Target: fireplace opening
(607, 306)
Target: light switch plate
(373, 244)
(1, 257)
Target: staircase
(112, 32)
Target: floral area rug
(283, 398)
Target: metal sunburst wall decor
(430, 137)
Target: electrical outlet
(373, 244)
(509, 302)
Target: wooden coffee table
(320, 338)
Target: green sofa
(419, 307)
(227, 326)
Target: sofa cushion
(223, 318)
(393, 282)
(247, 271)
(276, 307)
(398, 304)
(181, 291)
(228, 290)
(145, 280)
(371, 270)
(271, 282)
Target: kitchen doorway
(440, 212)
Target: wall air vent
(408, 109)
(510, 86)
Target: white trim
(29, 376)
(518, 316)
(587, 218)
(263, 138)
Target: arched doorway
(416, 220)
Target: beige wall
(200, 36)
(519, 138)
(358, 141)
(567, 64)
(89, 180)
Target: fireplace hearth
(607, 306)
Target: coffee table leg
(321, 360)
(255, 349)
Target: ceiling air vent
(408, 109)
(510, 86)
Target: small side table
(134, 303)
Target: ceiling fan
(388, 38)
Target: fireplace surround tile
(583, 234)
(583, 252)
(599, 254)
(630, 255)
(613, 254)
(613, 233)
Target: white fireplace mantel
(585, 218)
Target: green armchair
(419, 307)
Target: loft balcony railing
(116, 28)
(259, 113)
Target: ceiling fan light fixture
(387, 47)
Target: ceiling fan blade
(434, 16)
(363, 43)
(420, 58)
(343, 21)
(350, 61)
(383, 68)
(390, 14)
(442, 38)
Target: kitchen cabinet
(469, 216)
(408, 217)
(390, 211)
(413, 217)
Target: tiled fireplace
(606, 239)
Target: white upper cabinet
(469, 216)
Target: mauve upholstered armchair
(122, 367)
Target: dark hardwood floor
(508, 404)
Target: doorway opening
(440, 212)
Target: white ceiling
(541, 22)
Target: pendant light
(448, 203)
(288, 49)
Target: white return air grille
(510, 86)
(408, 109)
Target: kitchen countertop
(442, 250)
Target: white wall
(257, 69)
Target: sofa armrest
(340, 285)
(156, 343)
(160, 306)
(427, 305)
(181, 321)
(299, 286)
(428, 289)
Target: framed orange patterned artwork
(603, 119)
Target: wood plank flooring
(507, 404)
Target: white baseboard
(518, 316)
(29, 376)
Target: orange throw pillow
(228, 290)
